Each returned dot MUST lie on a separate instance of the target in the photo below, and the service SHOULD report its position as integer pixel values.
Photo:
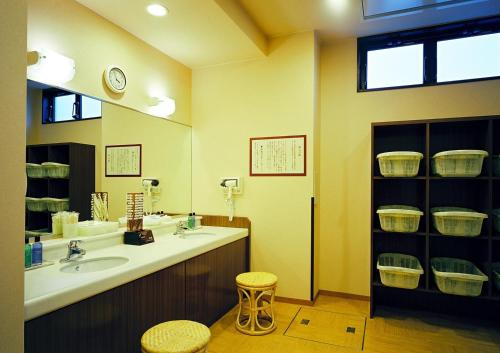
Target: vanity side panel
(231, 261)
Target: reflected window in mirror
(63, 106)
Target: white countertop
(48, 289)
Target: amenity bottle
(27, 253)
(37, 252)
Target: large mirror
(165, 153)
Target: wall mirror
(56, 118)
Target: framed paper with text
(123, 161)
(278, 156)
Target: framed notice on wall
(123, 161)
(278, 156)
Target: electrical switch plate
(238, 189)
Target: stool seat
(256, 279)
(180, 336)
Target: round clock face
(115, 79)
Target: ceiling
(201, 33)
(195, 32)
(341, 18)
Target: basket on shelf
(496, 165)
(458, 277)
(496, 219)
(458, 163)
(495, 272)
(57, 205)
(457, 221)
(399, 218)
(56, 170)
(34, 170)
(399, 163)
(399, 270)
(36, 204)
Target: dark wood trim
(330, 293)
(294, 301)
(312, 250)
(124, 175)
(275, 138)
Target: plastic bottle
(37, 252)
(190, 221)
(27, 253)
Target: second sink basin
(196, 235)
(94, 265)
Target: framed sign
(278, 156)
(123, 161)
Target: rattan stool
(256, 297)
(176, 337)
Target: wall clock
(115, 79)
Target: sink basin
(196, 235)
(94, 265)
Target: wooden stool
(176, 337)
(256, 297)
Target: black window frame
(48, 98)
(428, 36)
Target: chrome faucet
(181, 227)
(74, 252)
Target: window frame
(48, 97)
(428, 36)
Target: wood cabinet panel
(200, 289)
(113, 321)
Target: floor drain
(350, 330)
(305, 322)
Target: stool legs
(255, 312)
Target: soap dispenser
(27, 253)
(37, 252)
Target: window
(459, 52)
(400, 66)
(468, 58)
(60, 106)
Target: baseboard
(330, 293)
(294, 301)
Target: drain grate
(305, 322)
(350, 330)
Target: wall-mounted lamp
(162, 107)
(47, 66)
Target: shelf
(395, 234)
(379, 177)
(481, 177)
(436, 291)
(441, 236)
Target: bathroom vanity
(68, 310)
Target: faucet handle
(74, 243)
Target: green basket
(399, 270)
(458, 277)
(457, 221)
(399, 218)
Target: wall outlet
(236, 181)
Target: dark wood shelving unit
(77, 187)
(426, 191)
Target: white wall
(266, 97)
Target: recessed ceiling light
(157, 10)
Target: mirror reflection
(78, 146)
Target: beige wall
(84, 131)
(231, 103)
(94, 43)
(345, 154)
(166, 154)
(12, 185)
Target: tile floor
(398, 332)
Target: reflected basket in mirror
(135, 211)
(99, 206)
